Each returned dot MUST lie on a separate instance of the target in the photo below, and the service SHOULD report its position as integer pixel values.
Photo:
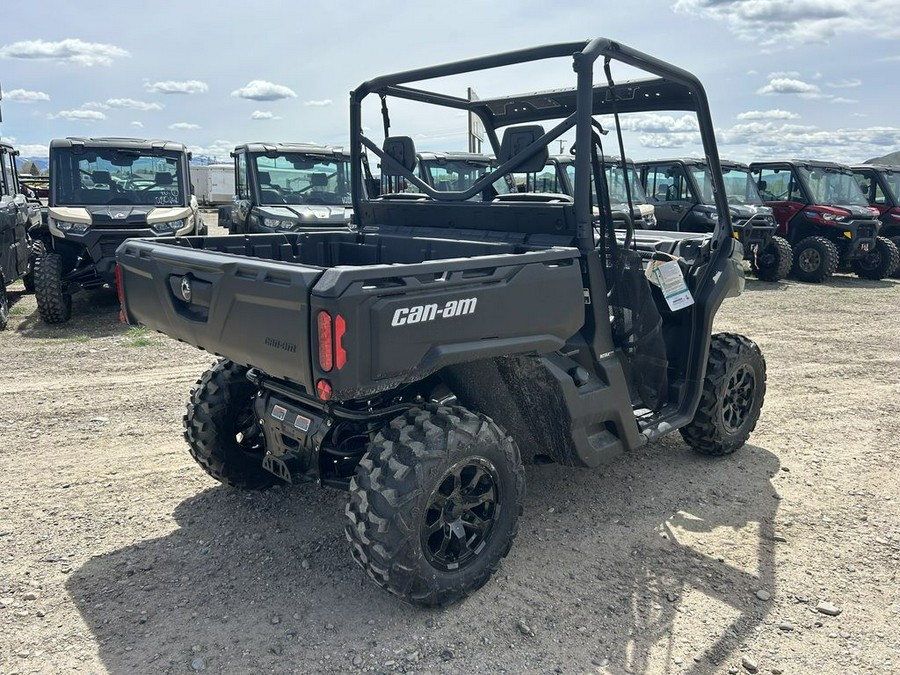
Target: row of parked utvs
(420, 359)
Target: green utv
(418, 361)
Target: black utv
(102, 192)
(417, 361)
(682, 192)
(824, 215)
(284, 187)
(881, 186)
(17, 217)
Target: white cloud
(184, 125)
(137, 125)
(318, 104)
(776, 22)
(261, 90)
(64, 51)
(774, 114)
(96, 105)
(132, 104)
(79, 115)
(656, 123)
(174, 87)
(218, 148)
(787, 85)
(845, 84)
(841, 99)
(25, 96)
(263, 115)
(29, 149)
(678, 140)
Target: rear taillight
(326, 341)
(120, 291)
(331, 341)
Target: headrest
(318, 179)
(101, 177)
(403, 150)
(163, 178)
(516, 139)
(264, 178)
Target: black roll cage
(672, 89)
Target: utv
(283, 187)
(823, 214)
(104, 191)
(682, 192)
(881, 186)
(17, 218)
(417, 360)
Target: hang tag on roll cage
(667, 275)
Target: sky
(799, 78)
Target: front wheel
(774, 261)
(37, 250)
(733, 392)
(221, 430)
(815, 259)
(435, 503)
(896, 241)
(4, 304)
(878, 263)
(54, 304)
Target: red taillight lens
(120, 291)
(340, 354)
(326, 342)
(323, 389)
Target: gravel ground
(119, 555)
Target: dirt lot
(119, 555)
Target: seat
(101, 178)
(516, 140)
(163, 178)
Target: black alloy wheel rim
(247, 434)
(871, 260)
(809, 260)
(738, 400)
(461, 514)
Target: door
(14, 220)
(240, 207)
(780, 189)
(669, 190)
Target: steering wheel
(315, 200)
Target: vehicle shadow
(754, 285)
(95, 313)
(609, 573)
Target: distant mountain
(42, 163)
(891, 159)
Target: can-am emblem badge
(118, 215)
(186, 289)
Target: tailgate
(252, 311)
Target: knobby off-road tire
(733, 392)
(37, 250)
(54, 304)
(896, 241)
(221, 430)
(4, 304)
(775, 261)
(434, 505)
(878, 263)
(815, 259)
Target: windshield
(615, 180)
(740, 187)
(833, 186)
(545, 181)
(453, 175)
(299, 178)
(892, 179)
(107, 176)
(700, 174)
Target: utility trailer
(417, 361)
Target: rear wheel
(434, 505)
(774, 261)
(54, 304)
(37, 250)
(878, 263)
(896, 241)
(815, 259)
(221, 430)
(733, 393)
